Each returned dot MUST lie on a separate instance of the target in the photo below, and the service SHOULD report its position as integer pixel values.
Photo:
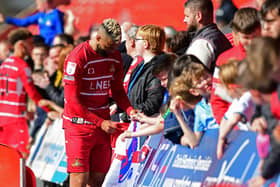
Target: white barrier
(47, 158)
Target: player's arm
(28, 85)
(25, 76)
(73, 73)
(118, 92)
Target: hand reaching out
(141, 117)
(124, 135)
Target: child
(241, 109)
(166, 121)
(192, 90)
(161, 69)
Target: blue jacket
(50, 24)
(172, 128)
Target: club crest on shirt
(71, 68)
(48, 23)
(40, 20)
(76, 163)
(91, 71)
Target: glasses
(134, 38)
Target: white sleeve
(230, 111)
(244, 106)
(203, 50)
(222, 93)
(247, 106)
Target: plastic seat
(13, 171)
(30, 177)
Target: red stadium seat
(30, 177)
(13, 171)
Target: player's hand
(108, 126)
(133, 114)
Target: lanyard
(134, 79)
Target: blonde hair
(112, 28)
(181, 86)
(229, 72)
(195, 71)
(154, 35)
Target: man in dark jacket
(208, 41)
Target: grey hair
(132, 31)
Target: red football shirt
(220, 106)
(88, 78)
(15, 83)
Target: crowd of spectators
(181, 83)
